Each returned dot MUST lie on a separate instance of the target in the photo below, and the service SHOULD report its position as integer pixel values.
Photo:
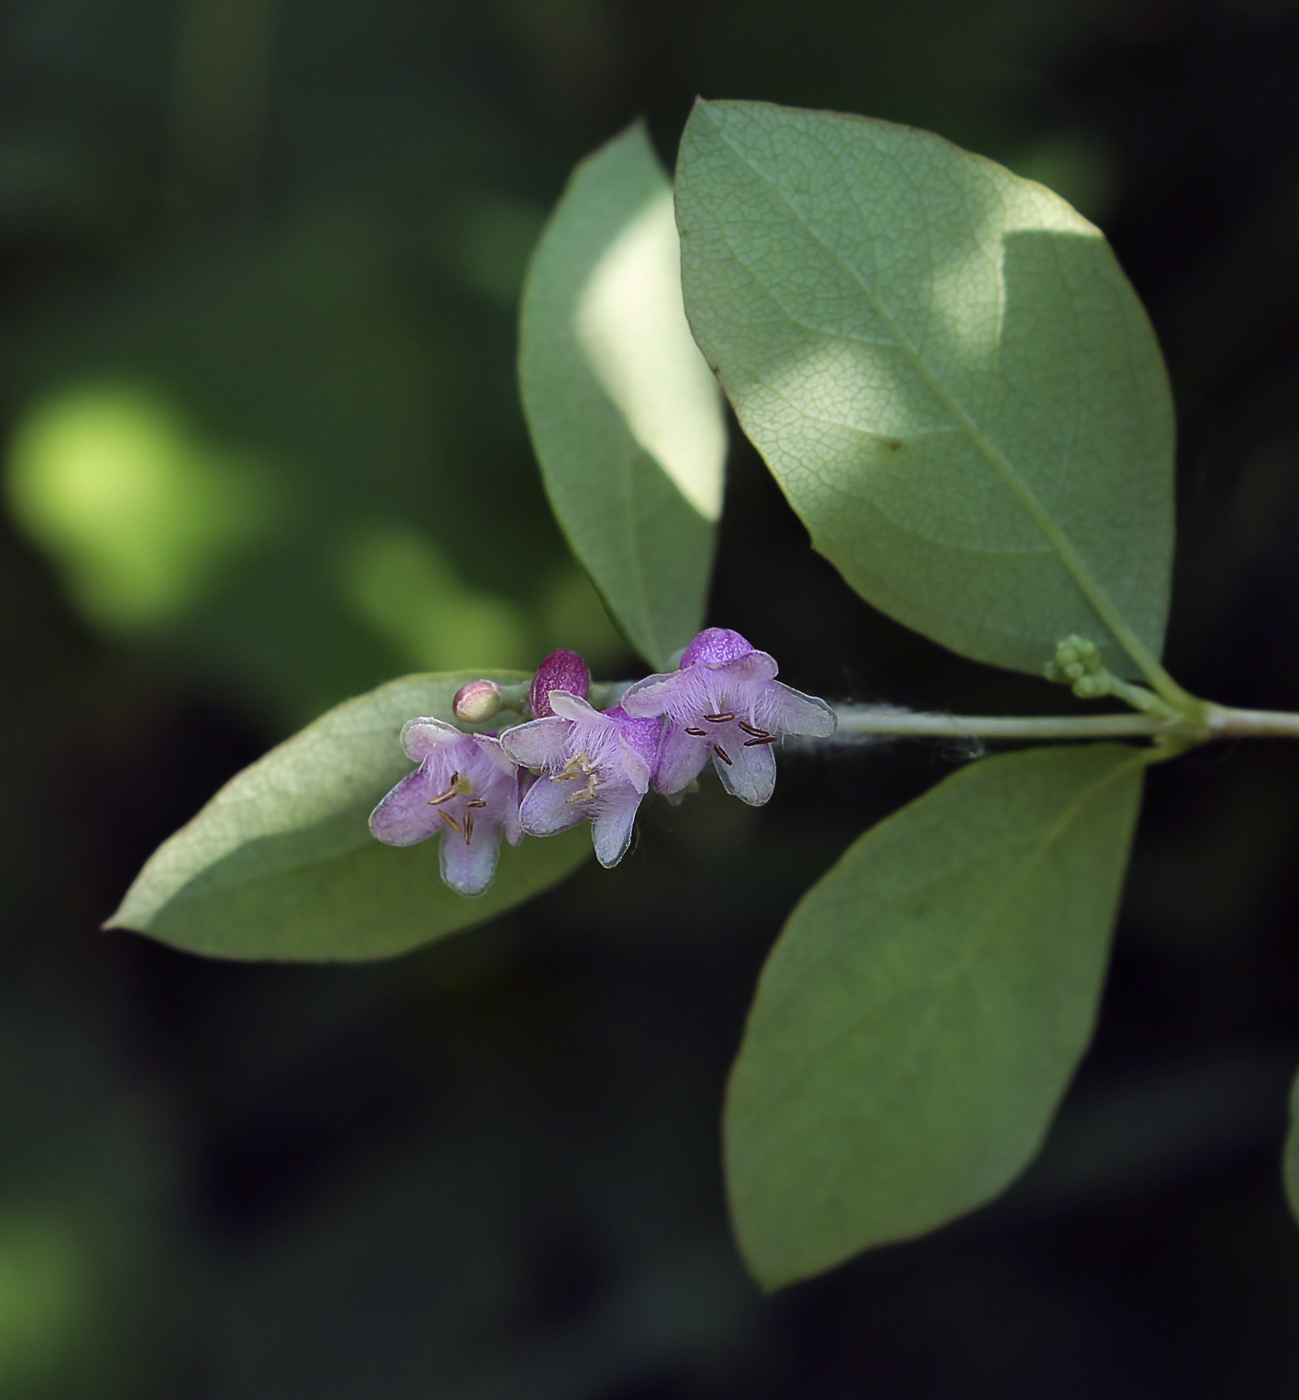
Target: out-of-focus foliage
(945, 369)
(297, 234)
(625, 415)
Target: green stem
(1211, 722)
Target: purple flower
(561, 670)
(593, 764)
(725, 704)
(465, 788)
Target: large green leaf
(1291, 1163)
(281, 864)
(925, 1007)
(626, 419)
(945, 369)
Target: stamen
(588, 791)
(469, 827)
(749, 729)
(765, 739)
(579, 766)
(477, 802)
(442, 796)
(722, 754)
(698, 733)
(724, 718)
(447, 817)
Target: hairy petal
(750, 775)
(540, 743)
(546, 808)
(404, 816)
(784, 710)
(421, 738)
(468, 866)
(612, 822)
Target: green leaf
(1290, 1168)
(626, 419)
(945, 369)
(925, 1007)
(281, 864)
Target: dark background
(258, 271)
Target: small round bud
(477, 702)
(561, 670)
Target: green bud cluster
(1078, 663)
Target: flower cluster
(571, 762)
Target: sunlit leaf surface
(281, 864)
(924, 1009)
(625, 416)
(946, 370)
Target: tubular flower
(725, 704)
(594, 764)
(466, 789)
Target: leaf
(925, 1007)
(626, 419)
(945, 369)
(281, 864)
(1290, 1168)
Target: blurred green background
(259, 264)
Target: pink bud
(561, 670)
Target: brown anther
(724, 718)
(443, 796)
(749, 729)
(469, 827)
(722, 754)
(477, 802)
(765, 739)
(450, 820)
(698, 733)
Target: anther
(724, 718)
(443, 796)
(749, 729)
(722, 754)
(447, 817)
(698, 733)
(765, 739)
(477, 802)
(469, 827)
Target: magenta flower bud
(477, 702)
(561, 670)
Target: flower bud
(477, 702)
(561, 670)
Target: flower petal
(422, 737)
(547, 810)
(572, 706)
(750, 775)
(537, 744)
(468, 866)
(783, 710)
(612, 823)
(682, 758)
(404, 815)
(715, 646)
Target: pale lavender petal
(538, 743)
(546, 809)
(422, 737)
(404, 815)
(468, 866)
(756, 668)
(681, 694)
(572, 707)
(716, 646)
(783, 710)
(561, 670)
(492, 749)
(612, 822)
(681, 759)
(751, 773)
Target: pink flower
(595, 765)
(725, 704)
(466, 789)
